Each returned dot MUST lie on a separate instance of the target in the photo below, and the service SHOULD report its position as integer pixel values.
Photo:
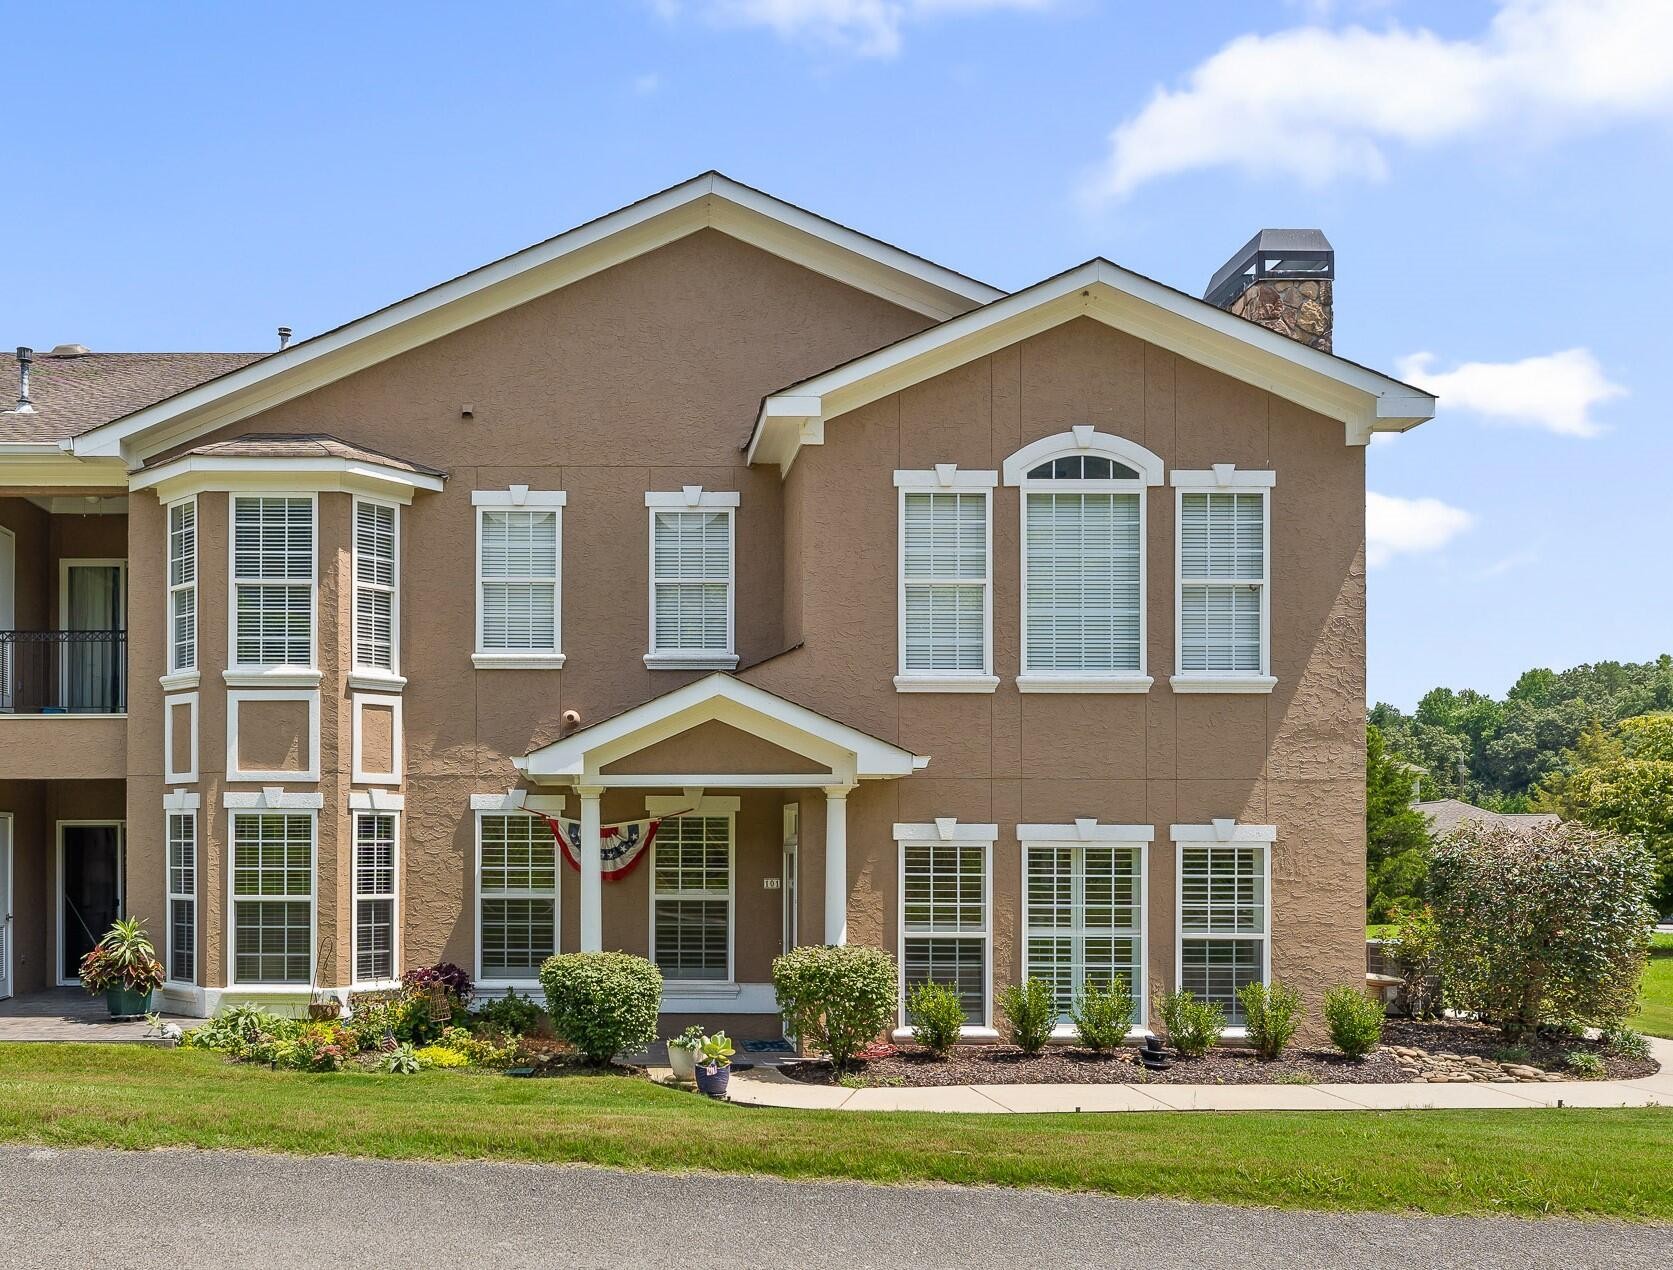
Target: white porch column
(592, 871)
(836, 863)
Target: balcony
(63, 672)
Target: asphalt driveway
(186, 1208)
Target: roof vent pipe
(284, 337)
(24, 357)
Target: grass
(1537, 1162)
(1655, 993)
(1382, 930)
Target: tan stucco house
(819, 592)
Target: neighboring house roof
(1364, 400)
(71, 395)
(301, 445)
(709, 201)
(1447, 814)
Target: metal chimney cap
(1272, 253)
(25, 355)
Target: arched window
(1083, 568)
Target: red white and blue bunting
(623, 845)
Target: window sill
(1223, 683)
(1069, 1032)
(691, 661)
(179, 680)
(271, 677)
(966, 1033)
(1083, 683)
(517, 661)
(377, 681)
(946, 683)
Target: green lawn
(1534, 1162)
(1655, 994)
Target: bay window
(375, 864)
(272, 897)
(376, 600)
(273, 579)
(182, 897)
(182, 585)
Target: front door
(5, 906)
(93, 602)
(90, 879)
(791, 817)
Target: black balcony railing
(63, 672)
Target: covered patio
(69, 1014)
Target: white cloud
(870, 28)
(1318, 104)
(1556, 392)
(1409, 526)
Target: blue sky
(1495, 177)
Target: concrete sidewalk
(768, 1087)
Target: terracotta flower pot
(125, 1004)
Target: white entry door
(5, 905)
(792, 814)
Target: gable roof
(72, 394)
(709, 201)
(1364, 400)
(300, 445)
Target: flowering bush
(440, 1056)
(455, 979)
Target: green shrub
(1625, 1042)
(512, 1014)
(603, 1003)
(400, 1015)
(1103, 1014)
(1584, 1064)
(486, 1048)
(1540, 924)
(440, 1056)
(1271, 1014)
(836, 998)
(937, 1017)
(1030, 1012)
(1415, 947)
(1355, 1021)
(1192, 1026)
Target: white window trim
(713, 808)
(1079, 834)
(356, 895)
(1222, 833)
(949, 830)
(509, 808)
(359, 670)
(170, 775)
(236, 697)
(943, 478)
(695, 498)
(237, 671)
(174, 588)
(359, 772)
(170, 895)
(1223, 477)
(288, 805)
(1083, 439)
(520, 498)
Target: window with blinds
(691, 898)
(374, 897)
(944, 582)
(944, 928)
(691, 581)
(375, 598)
(272, 898)
(517, 896)
(1223, 898)
(182, 897)
(517, 580)
(1222, 581)
(273, 579)
(1085, 919)
(1082, 602)
(183, 585)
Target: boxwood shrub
(603, 1003)
(837, 998)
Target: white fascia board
(195, 473)
(706, 201)
(41, 464)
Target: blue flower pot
(125, 1004)
(713, 1080)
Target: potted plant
(714, 1065)
(682, 1054)
(123, 965)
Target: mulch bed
(913, 1067)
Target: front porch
(69, 1014)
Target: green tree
(1396, 834)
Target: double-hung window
(272, 897)
(182, 896)
(1084, 903)
(692, 572)
(183, 585)
(376, 576)
(691, 897)
(946, 580)
(1225, 912)
(1223, 604)
(519, 570)
(517, 897)
(375, 863)
(945, 913)
(273, 579)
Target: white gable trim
(705, 202)
(194, 473)
(848, 753)
(1362, 399)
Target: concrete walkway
(69, 1014)
(768, 1087)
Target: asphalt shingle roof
(1446, 814)
(72, 395)
(298, 445)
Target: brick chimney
(1283, 279)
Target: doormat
(769, 1047)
